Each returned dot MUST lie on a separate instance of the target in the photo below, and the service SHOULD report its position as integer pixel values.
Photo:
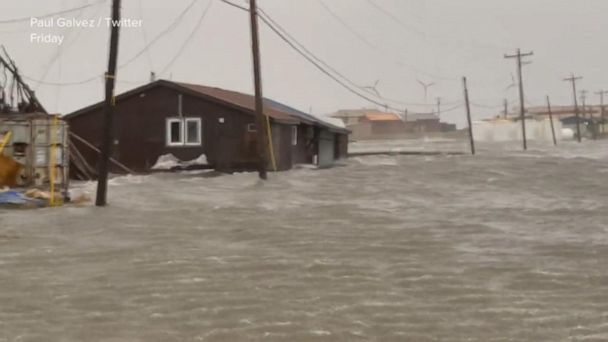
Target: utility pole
(468, 108)
(551, 119)
(108, 127)
(584, 102)
(601, 93)
(522, 113)
(261, 119)
(573, 80)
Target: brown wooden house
(188, 120)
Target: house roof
(379, 116)
(275, 110)
(225, 97)
(241, 100)
(565, 110)
(306, 118)
(350, 113)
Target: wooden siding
(140, 133)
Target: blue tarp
(14, 198)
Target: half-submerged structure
(192, 122)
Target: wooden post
(262, 125)
(106, 147)
(470, 122)
(551, 119)
(522, 113)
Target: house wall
(342, 141)
(387, 127)
(427, 126)
(326, 149)
(140, 132)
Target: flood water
(504, 246)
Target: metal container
(39, 142)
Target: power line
(166, 31)
(345, 24)
(395, 18)
(323, 70)
(190, 37)
(322, 66)
(319, 60)
(273, 25)
(145, 35)
(49, 15)
(62, 48)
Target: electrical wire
(49, 15)
(145, 34)
(62, 48)
(166, 31)
(395, 19)
(346, 25)
(317, 62)
(334, 70)
(190, 37)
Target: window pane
(192, 132)
(176, 132)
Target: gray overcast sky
(433, 41)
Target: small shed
(188, 120)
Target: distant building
(502, 130)
(374, 124)
(188, 120)
(591, 118)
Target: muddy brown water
(505, 246)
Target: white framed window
(184, 132)
(175, 132)
(193, 131)
(251, 127)
(294, 135)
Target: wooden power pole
(584, 102)
(106, 147)
(469, 121)
(522, 113)
(573, 80)
(261, 120)
(551, 120)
